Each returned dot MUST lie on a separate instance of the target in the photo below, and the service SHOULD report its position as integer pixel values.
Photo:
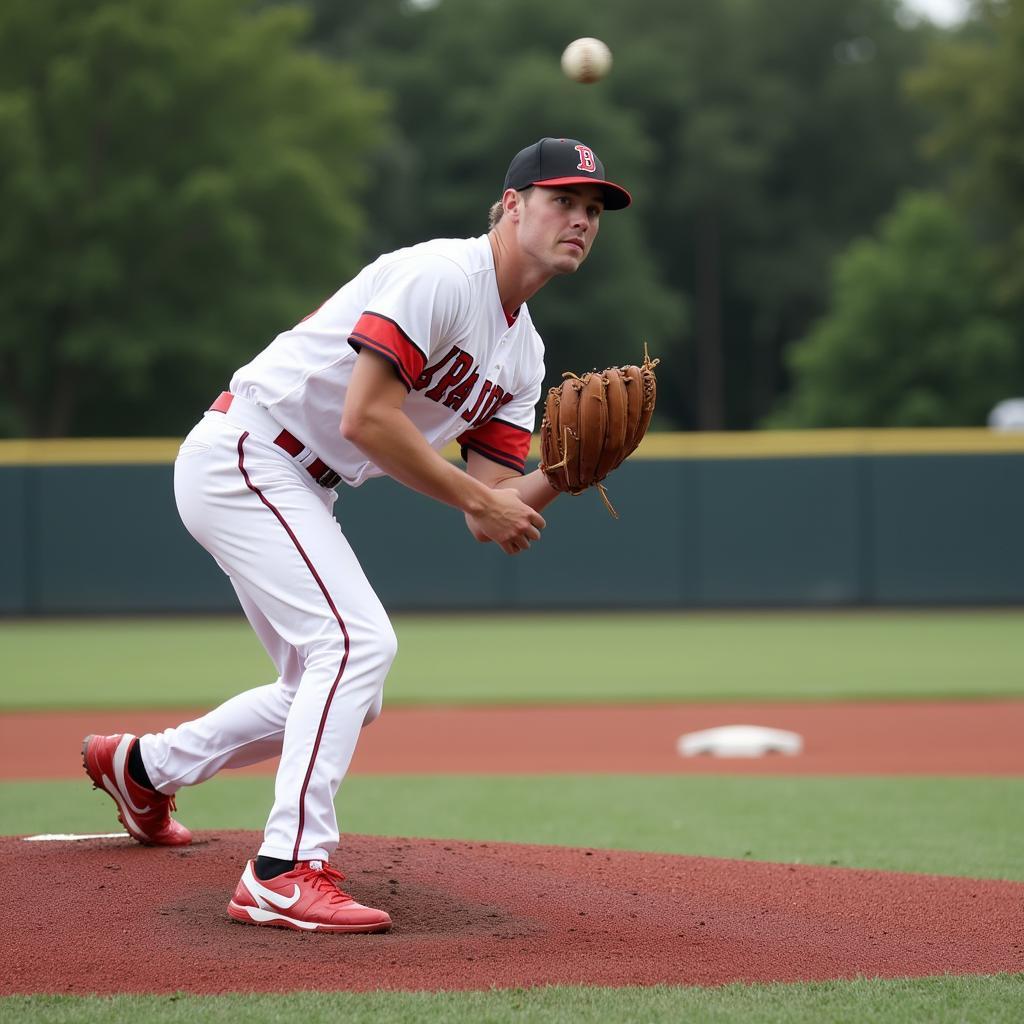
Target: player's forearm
(533, 489)
(391, 441)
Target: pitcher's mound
(105, 915)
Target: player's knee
(371, 642)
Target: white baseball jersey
(434, 312)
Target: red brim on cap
(615, 196)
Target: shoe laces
(326, 880)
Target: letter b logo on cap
(587, 160)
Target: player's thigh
(303, 574)
(273, 531)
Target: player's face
(559, 225)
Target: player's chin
(569, 263)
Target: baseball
(586, 60)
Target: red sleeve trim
(501, 442)
(385, 337)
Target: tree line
(825, 229)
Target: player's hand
(507, 521)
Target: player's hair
(497, 210)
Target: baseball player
(426, 345)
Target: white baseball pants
(270, 527)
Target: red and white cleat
(307, 898)
(145, 814)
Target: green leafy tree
(758, 139)
(913, 337)
(472, 82)
(974, 84)
(783, 131)
(179, 181)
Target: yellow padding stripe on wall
(89, 451)
(753, 444)
(794, 443)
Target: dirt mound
(106, 916)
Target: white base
(739, 741)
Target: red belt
(317, 469)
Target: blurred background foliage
(828, 227)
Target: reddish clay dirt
(122, 918)
(949, 738)
(118, 917)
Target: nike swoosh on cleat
(121, 796)
(264, 896)
(120, 763)
(124, 815)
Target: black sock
(270, 867)
(136, 769)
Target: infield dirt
(897, 738)
(123, 918)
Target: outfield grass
(996, 999)
(460, 659)
(953, 826)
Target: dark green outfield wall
(699, 532)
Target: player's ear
(512, 202)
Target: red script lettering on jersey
(459, 380)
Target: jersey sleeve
(413, 307)
(505, 437)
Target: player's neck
(517, 280)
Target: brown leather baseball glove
(592, 423)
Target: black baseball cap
(554, 162)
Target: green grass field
(535, 659)
(953, 826)
(962, 826)
(972, 1000)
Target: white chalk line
(71, 837)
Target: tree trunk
(61, 405)
(710, 369)
(10, 394)
(764, 374)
